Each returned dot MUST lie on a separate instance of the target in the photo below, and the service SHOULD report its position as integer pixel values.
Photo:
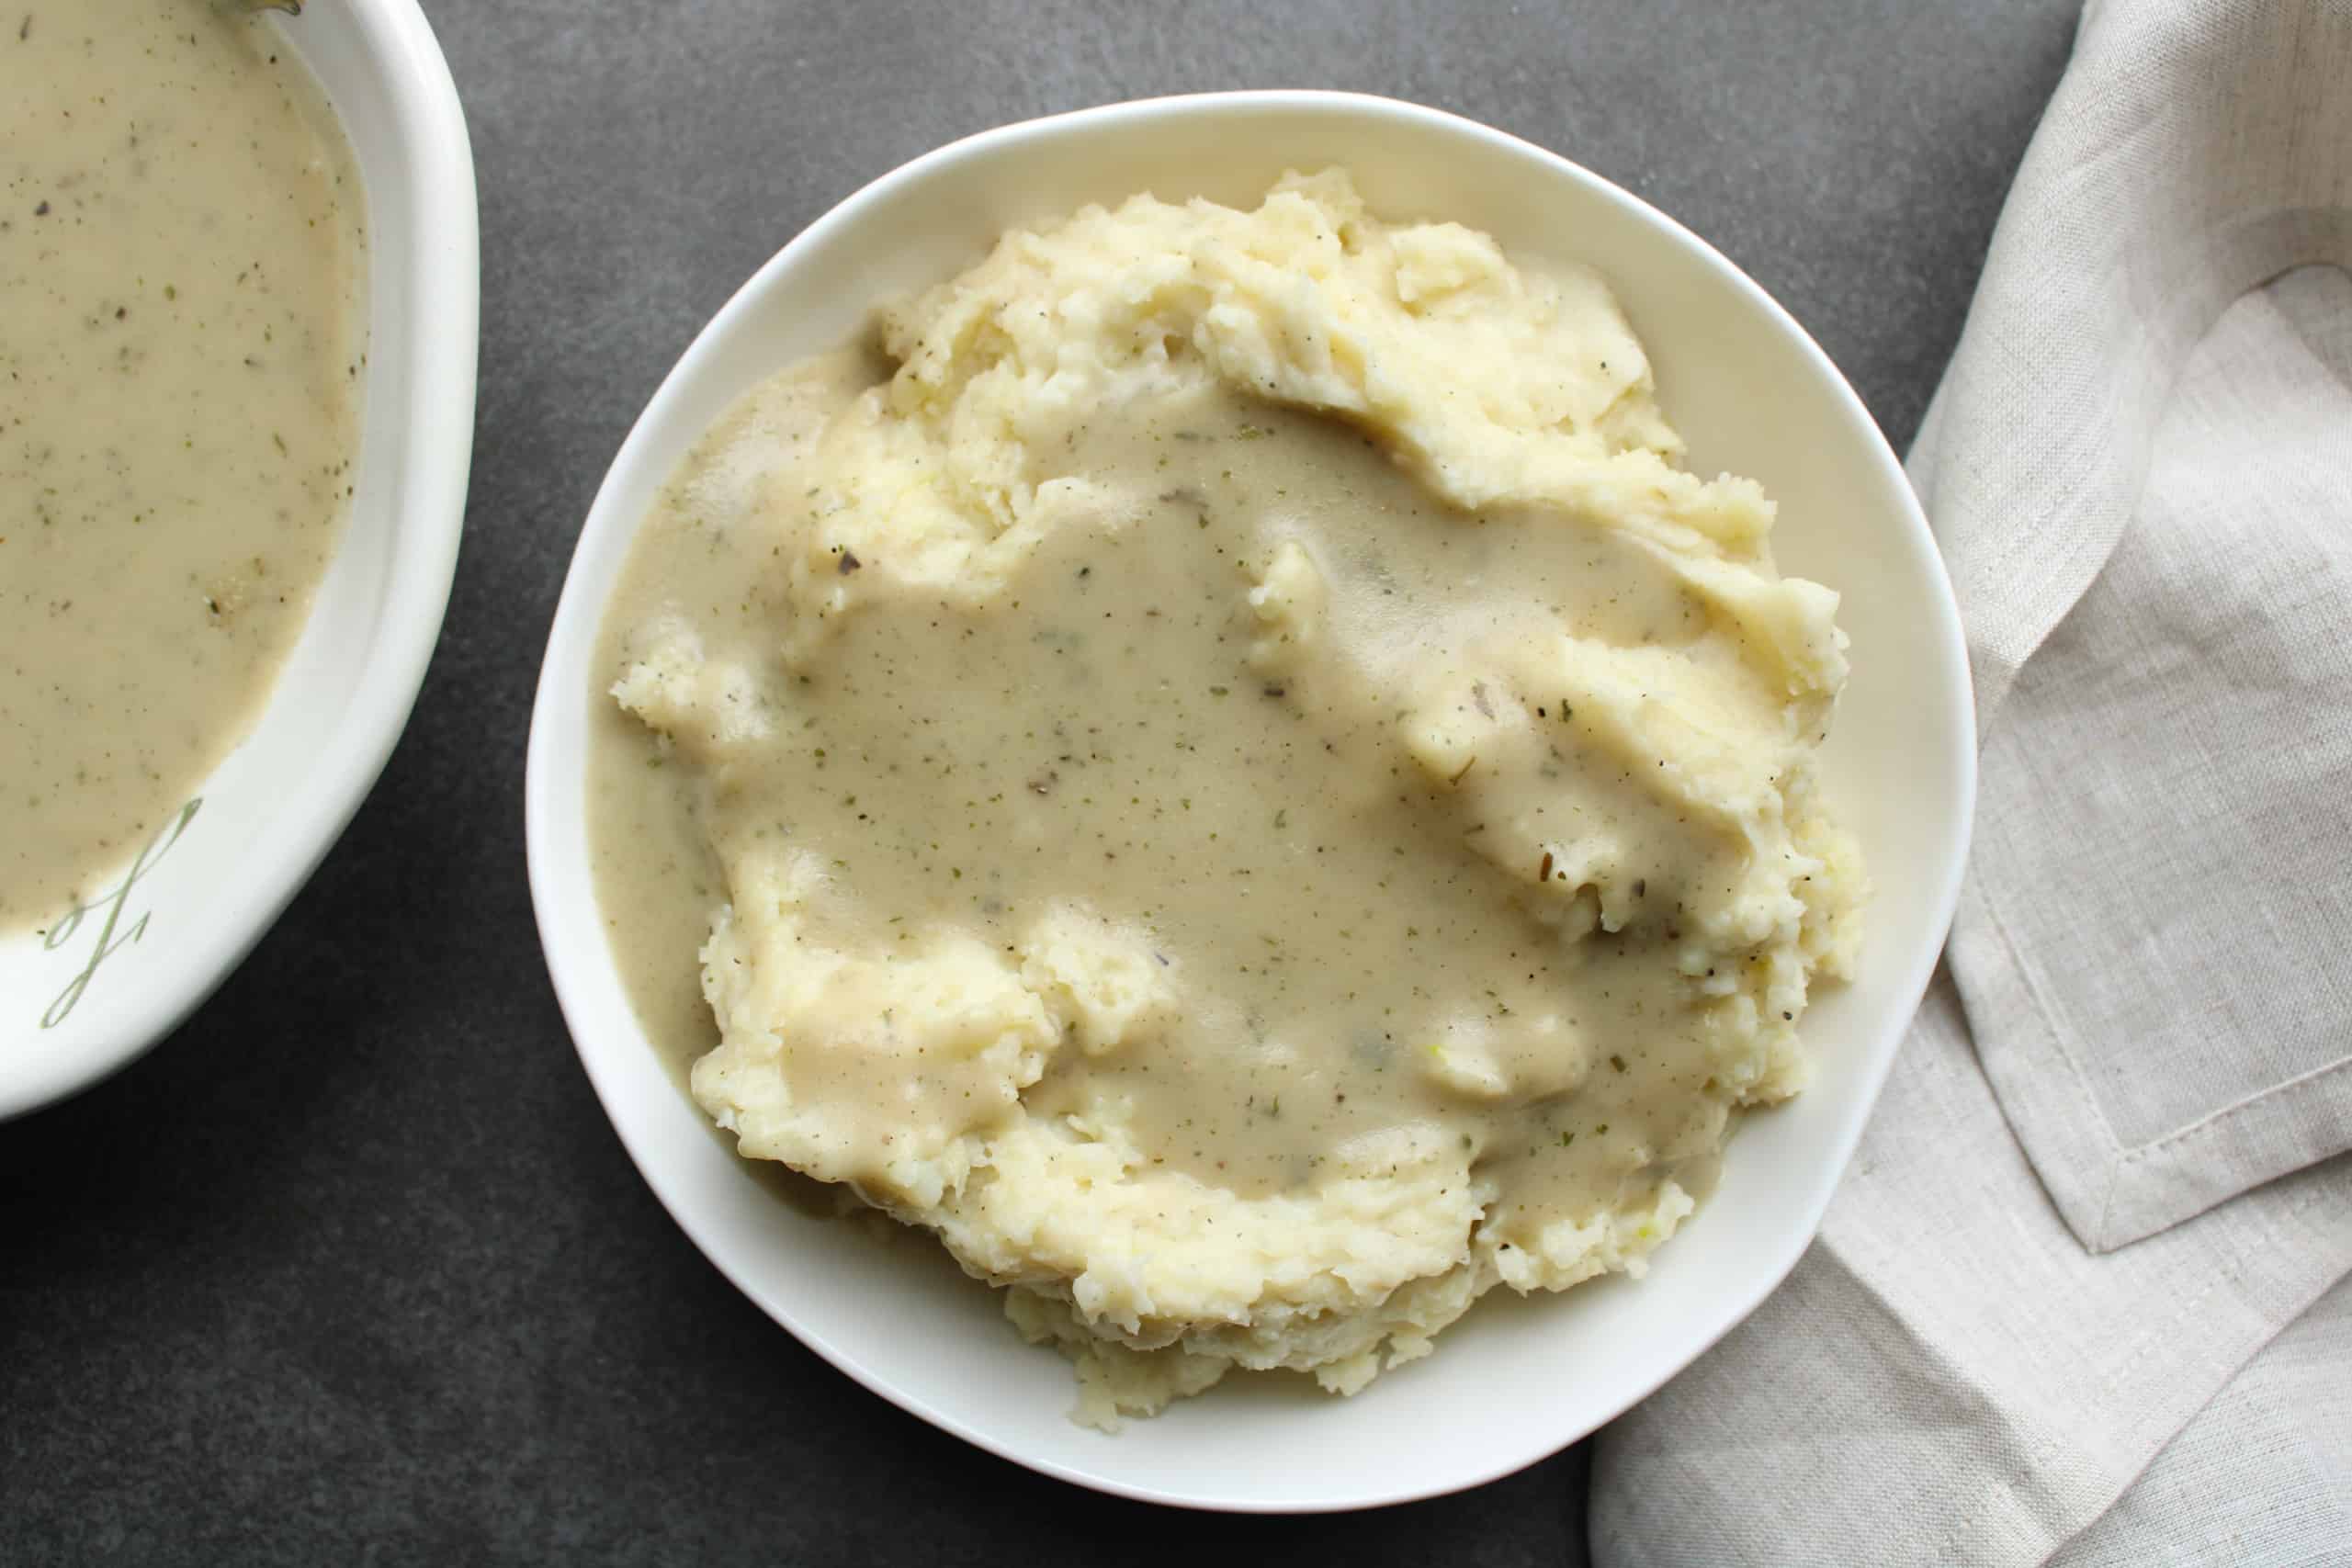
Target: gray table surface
(353, 1267)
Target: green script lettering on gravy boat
(108, 943)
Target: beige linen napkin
(2111, 1166)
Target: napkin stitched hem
(2151, 1186)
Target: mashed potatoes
(1223, 770)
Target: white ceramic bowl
(98, 990)
(1519, 1379)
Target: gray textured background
(353, 1268)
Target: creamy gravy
(1109, 740)
(181, 266)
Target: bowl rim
(440, 254)
(576, 618)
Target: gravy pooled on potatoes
(1228, 775)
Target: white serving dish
(1518, 1380)
(92, 993)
